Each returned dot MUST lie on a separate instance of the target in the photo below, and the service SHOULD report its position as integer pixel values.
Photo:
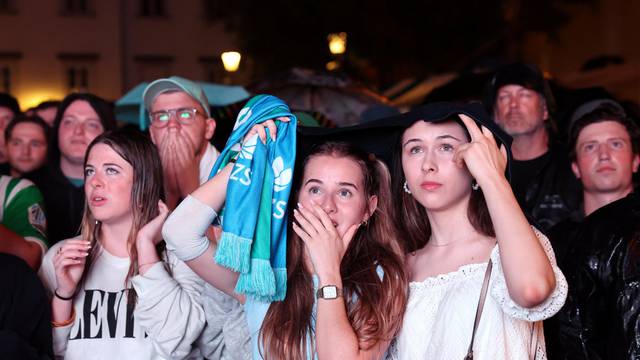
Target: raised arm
(335, 337)
(185, 232)
(527, 268)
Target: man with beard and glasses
(521, 102)
(181, 126)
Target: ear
(636, 162)
(545, 110)
(210, 128)
(575, 169)
(372, 205)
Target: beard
(516, 123)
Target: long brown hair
(375, 305)
(136, 149)
(412, 217)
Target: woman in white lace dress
(458, 212)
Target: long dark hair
(138, 150)
(375, 305)
(412, 217)
(103, 109)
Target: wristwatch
(328, 292)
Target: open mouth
(98, 200)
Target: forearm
(61, 310)
(335, 337)
(527, 269)
(147, 255)
(213, 193)
(218, 276)
(15, 244)
(185, 234)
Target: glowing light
(29, 99)
(337, 43)
(332, 65)
(231, 60)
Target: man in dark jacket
(600, 255)
(520, 101)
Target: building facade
(53, 47)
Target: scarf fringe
(259, 282)
(233, 252)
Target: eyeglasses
(184, 116)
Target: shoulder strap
(483, 296)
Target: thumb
(503, 151)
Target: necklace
(431, 243)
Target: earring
(475, 186)
(365, 222)
(406, 188)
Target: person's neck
(451, 225)
(594, 200)
(71, 169)
(530, 146)
(114, 236)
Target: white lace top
(440, 312)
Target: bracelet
(55, 293)
(56, 324)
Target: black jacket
(601, 259)
(552, 193)
(63, 202)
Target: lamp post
(231, 63)
(337, 48)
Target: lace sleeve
(543, 311)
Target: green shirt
(22, 209)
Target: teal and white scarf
(254, 221)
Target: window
(79, 70)
(151, 67)
(78, 79)
(152, 8)
(75, 7)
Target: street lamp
(337, 43)
(231, 60)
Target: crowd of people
(479, 232)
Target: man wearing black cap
(9, 108)
(521, 101)
(600, 255)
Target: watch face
(329, 292)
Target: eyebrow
(605, 140)
(343, 183)
(112, 164)
(441, 137)
(447, 136)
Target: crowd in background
(84, 202)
